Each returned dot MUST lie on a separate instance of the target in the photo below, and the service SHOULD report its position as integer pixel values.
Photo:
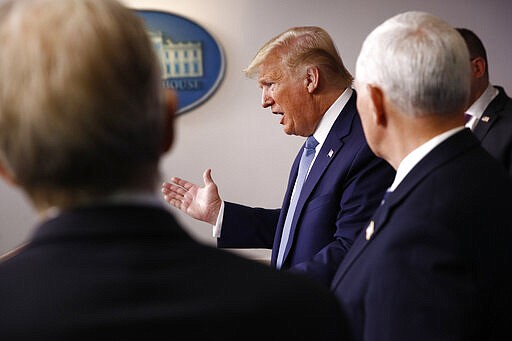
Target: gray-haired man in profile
(434, 261)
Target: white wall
(244, 144)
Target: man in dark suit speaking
(330, 197)
(434, 262)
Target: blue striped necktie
(308, 155)
(386, 195)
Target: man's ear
(379, 109)
(171, 105)
(478, 67)
(312, 79)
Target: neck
(479, 90)
(414, 132)
(328, 97)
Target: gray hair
(420, 62)
(81, 105)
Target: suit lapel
(331, 147)
(443, 153)
(490, 115)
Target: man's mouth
(282, 116)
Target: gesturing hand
(202, 203)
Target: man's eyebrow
(271, 77)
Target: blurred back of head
(420, 62)
(303, 47)
(81, 107)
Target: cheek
(361, 105)
(364, 115)
(280, 96)
(366, 125)
(370, 136)
(364, 109)
(371, 133)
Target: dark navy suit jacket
(128, 272)
(342, 190)
(494, 129)
(438, 264)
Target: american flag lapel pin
(331, 152)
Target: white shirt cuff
(218, 225)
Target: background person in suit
(83, 124)
(433, 263)
(303, 79)
(490, 107)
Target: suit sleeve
(248, 227)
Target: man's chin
(288, 131)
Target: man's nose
(266, 99)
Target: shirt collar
(330, 116)
(418, 154)
(478, 107)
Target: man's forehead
(270, 71)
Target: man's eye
(267, 85)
